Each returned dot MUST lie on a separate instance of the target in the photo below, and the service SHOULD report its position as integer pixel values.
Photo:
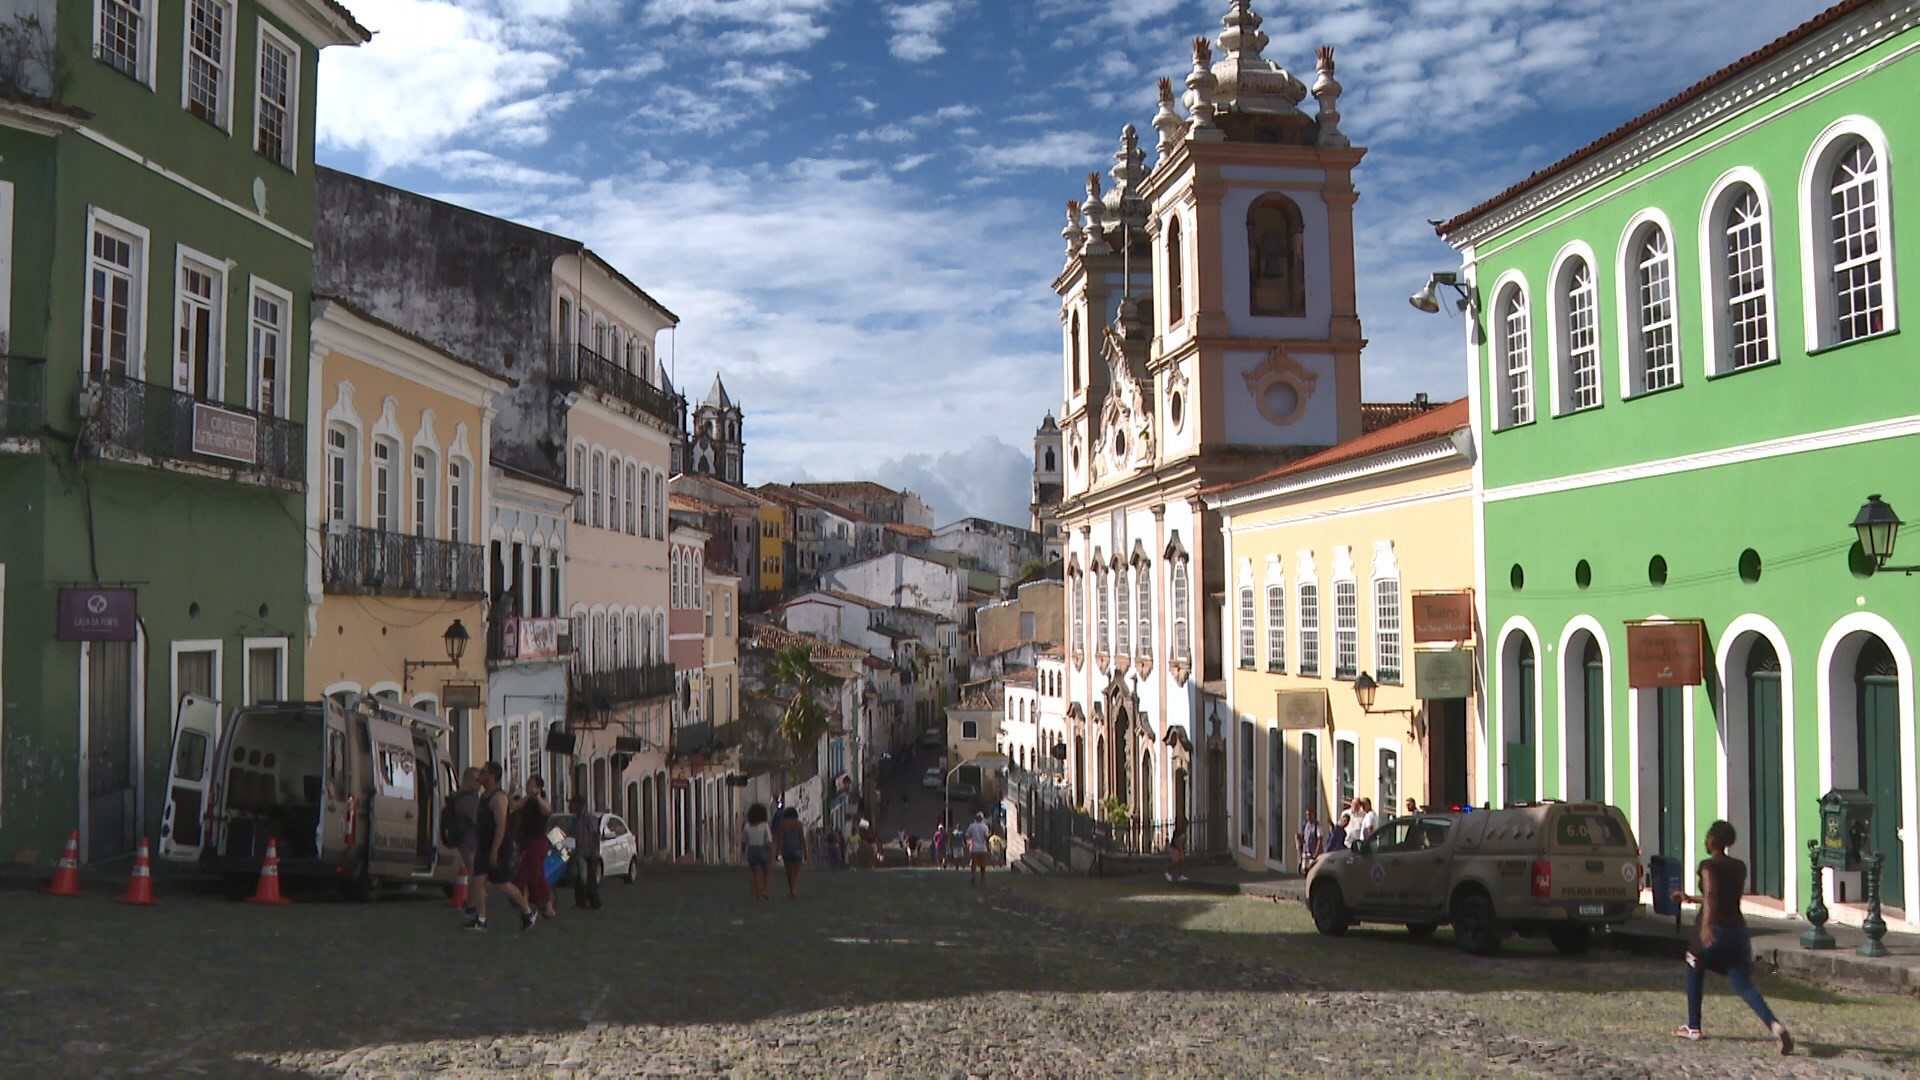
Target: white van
(351, 789)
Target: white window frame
(148, 43)
(1569, 361)
(1387, 634)
(257, 289)
(208, 645)
(1180, 592)
(1276, 586)
(386, 510)
(1143, 604)
(140, 242)
(423, 489)
(1102, 608)
(223, 102)
(1346, 626)
(596, 478)
(578, 461)
(186, 258)
(459, 505)
(1628, 266)
(1385, 805)
(1816, 244)
(1715, 300)
(1078, 628)
(633, 485)
(1307, 603)
(249, 646)
(346, 458)
(1342, 798)
(1512, 373)
(1249, 630)
(290, 158)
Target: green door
(1671, 762)
(1766, 821)
(1520, 739)
(1878, 682)
(1595, 684)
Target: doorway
(1447, 752)
(1593, 728)
(1766, 818)
(1517, 708)
(1876, 678)
(1670, 770)
(112, 748)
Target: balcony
(689, 739)
(153, 421)
(22, 397)
(389, 563)
(580, 365)
(593, 690)
(527, 639)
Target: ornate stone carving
(1072, 234)
(1199, 96)
(1281, 387)
(1326, 91)
(1166, 121)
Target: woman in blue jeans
(1721, 943)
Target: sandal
(1690, 1033)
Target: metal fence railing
(593, 689)
(578, 363)
(147, 418)
(374, 560)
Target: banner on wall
(1666, 653)
(97, 615)
(1443, 674)
(1442, 616)
(1300, 710)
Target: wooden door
(1766, 818)
(1877, 679)
(1670, 764)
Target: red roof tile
(1432, 424)
(1685, 97)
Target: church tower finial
(1096, 218)
(1166, 121)
(1326, 91)
(1199, 96)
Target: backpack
(453, 830)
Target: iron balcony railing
(146, 418)
(373, 560)
(23, 381)
(594, 690)
(580, 364)
(692, 738)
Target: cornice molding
(1443, 448)
(1790, 70)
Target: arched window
(1276, 626)
(1854, 271)
(1176, 275)
(1276, 264)
(646, 505)
(343, 474)
(1513, 353)
(1247, 628)
(1102, 603)
(1079, 641)
(1652, 346)
(674, 563)
(1177, 588)
(613, 492)
(566, 329)
(1386, 630)
(596, 494)
(633, 491)
(1073, 353)
(1579, 335)
(1739, 321)
(1049, 465)
(426, 492)
(1309, 627)
(1123, 614)
(599, 338)
(1143, 616)
(660, 505)
(579, 483)
(457, 470)
(632, 356)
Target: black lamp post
(455, 639)
(1878, 527)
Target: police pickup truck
(1556, 869)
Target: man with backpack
(460, 828)
(588, 866)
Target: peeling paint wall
(474, 285)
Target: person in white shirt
(1367, 820)
(1356, 821)
(978, 838)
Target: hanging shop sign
(222, 434)
(1443, 674)
(1300, 710)
(97, 615)
(1667, 653)
(1442, 616)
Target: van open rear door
(393, 836)
(184, 819)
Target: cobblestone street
(899, 973)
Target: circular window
(1076, 459)
(1858, 564)
(1749, 566)
(1176, 409)
(1517, 578)
(1657, 571)
(1280, 399)
(1582, 574)
(263, 611)
(193, 610)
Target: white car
(934, 780)
(618, 850)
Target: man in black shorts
(493, 856)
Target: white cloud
(480, 165)
(988, 478)
(1053, 150)
(433, 71)
(917, 28)
(747, 91)
(746, 26)
(912, 162)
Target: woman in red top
(1722, 943)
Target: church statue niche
(1276, 266)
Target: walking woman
(530, 832)
(1720, 941)
(793, 850)
(757, 836)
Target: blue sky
(854, 205)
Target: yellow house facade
(395, 560)
(1348, 633)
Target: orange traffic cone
(66, 877)
(459, 899)
(269, 890)
(140, 885)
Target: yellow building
(398, 437)
(773, 546)
(1349, 633)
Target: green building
(1687, 376)
(156, 192)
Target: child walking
(1721, 942)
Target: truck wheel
(1329, 909)
(633, 870)
(1421, 929)
(1571, 940)
(1474, 926)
